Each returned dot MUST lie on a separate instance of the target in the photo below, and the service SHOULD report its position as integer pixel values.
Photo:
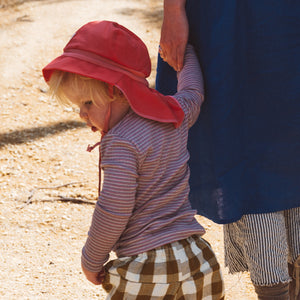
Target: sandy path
(42, 146)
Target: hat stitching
(106, 63)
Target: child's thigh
(185, 269)
(120, 288)
(208, 285)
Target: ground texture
(48, 182)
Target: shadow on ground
(11, 3)
(30, 134)
(153, 15)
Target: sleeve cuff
(90, 265)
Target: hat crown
(112, 41)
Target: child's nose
(83, 115)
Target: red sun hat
(109, 52)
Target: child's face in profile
(92, 112)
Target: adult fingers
(174, 37)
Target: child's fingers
(101, 276)
(94, 277)
(180, 57)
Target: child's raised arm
(190, 86)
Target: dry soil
(48, 182)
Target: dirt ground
(48, 182)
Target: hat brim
(151, 104)
(80, 67)
(144, 101)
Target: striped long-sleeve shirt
(143, 202)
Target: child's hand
(94, 277)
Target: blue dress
(245, 154)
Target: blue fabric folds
(245, 154)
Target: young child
(143, 212)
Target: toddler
(143, 212)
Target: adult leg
(292, 218)
(294, 270)
(261, 242)
(278, 291)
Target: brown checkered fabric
(182, 270)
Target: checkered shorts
(183, 270)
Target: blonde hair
(94, 89)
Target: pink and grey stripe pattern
(144, 198)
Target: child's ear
(118, 93)
(111, 91)
(114, 91)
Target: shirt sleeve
(116, 201)
(190, 87)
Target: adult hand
(94, 277)
(174, 33)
